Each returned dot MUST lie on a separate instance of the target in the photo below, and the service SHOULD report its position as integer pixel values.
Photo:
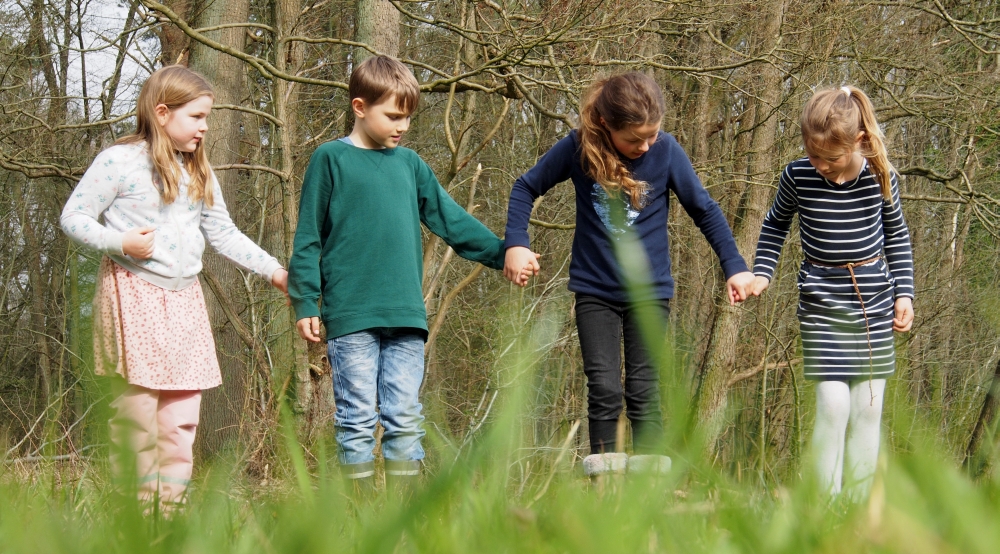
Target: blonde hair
(831, 121)
(379, 77)
(616, 103)
(172, 86)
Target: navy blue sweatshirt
(594, 269)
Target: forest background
(502, 82)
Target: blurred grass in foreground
(484, 501)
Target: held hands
(309, 329)
(138, 243)
(739, 287)
(759, 285)
(904, 315)
(519, 264)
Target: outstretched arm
(228, 240)
(774, 231)
(554, 167)
(711, 221)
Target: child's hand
(309, 329)
(279, 279)
(738, 287)
(904, 315)
(520, 264)
(138, 243)
(759, 285)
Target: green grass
(919, 504)
(501, 492)
(492, 497)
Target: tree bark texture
(224, 406)
(721, 356)
(378, 27)
(976, 462)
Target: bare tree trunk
(224, 406)
(38, 307)
(975, 463)
(174, 44)
(721, 356)
(378, 27)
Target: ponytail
(873, 142)
(615, 103)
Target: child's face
(634, 141)
(186, 126)
(833, 163)
(383, 124)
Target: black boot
(401, 479)
(359, 482)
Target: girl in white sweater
(160, 200)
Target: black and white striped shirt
(838, 223)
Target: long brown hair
(172, 86)
(831, 122)
(621, 101)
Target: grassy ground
(491, 497)
(918, 504)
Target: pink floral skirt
(153, 337)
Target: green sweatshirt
(358, 244)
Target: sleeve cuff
(114, 244)
(734, 266)
(269, 268)
(510, 242)
(305, 308)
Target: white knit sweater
(119, 185)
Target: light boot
(649, 464)
(605, 471)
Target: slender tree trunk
(223, 406)
(378, 27)
(975, 462)
(711, 401)
(174, 44)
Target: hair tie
(846, 90)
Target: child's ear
(162, 114)
(358, 106)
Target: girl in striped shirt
(855, 283)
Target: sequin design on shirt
(602, 205)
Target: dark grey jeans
(602, 325)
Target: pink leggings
(154, 430)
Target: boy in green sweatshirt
(358, 263)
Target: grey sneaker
(603, 464)
(649, 464)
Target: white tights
(840, 405)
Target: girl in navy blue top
(623, 168)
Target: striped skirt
(835, 341)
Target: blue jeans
(378, 368)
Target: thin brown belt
(854, 281)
